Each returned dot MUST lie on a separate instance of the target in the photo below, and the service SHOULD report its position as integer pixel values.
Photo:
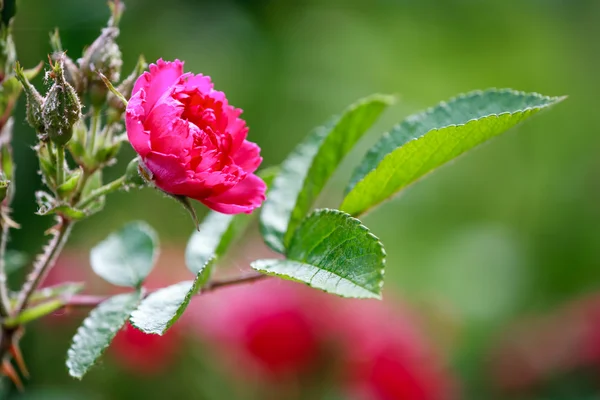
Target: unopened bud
(102, 56)
(72, 73)
(35, 101)
(62, 108)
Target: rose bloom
(192, 141)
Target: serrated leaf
(334, 252)
(161, 309)
(306, 170)
(427, 140)
(98, 330)
(216, 233)
(127, 256)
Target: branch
(91, 301)
(43, 264)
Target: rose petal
(248, 157)
(168, 171)
(137, 135)
(243, 197)
(161, 77)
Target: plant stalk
(44, 263)
(101, 191)
(60, 165)
(4, 300)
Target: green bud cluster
(61, 108)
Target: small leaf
(425, 141)
(70, 184)
(98, 330)
(126, 257)
(306, 170)
(161, 309)
(334, 252)
(93, 183)
(216, 233)
(63, 290)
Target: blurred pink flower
(192, 141)
(285, 328)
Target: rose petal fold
(242, 198)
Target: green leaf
(161, 309)
(126, 257)
(334, 252)
(306, 170)
(216, 233)
(67, 188)
(98, 330)
(93, 183)
(427, 140)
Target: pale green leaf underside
(127, 256)
(306, 170)
(161, 309)
(98, 330)
(333, 252)
(427, 140)
(216, 233)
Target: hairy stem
(44, 263)
(4, 300)
(87, 301)
(60, 165)
(101, 191)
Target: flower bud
(103, 56)
(35, 101)
(62, 108)
(72, 73)
(115, 104)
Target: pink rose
(192, 141)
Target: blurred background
(493, 271)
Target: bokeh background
(505, 236)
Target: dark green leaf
(126, 257)
(161, 309)
(98, 330)
(334, 252)
(306, 170)
(425, 141)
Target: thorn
(15, 351)
(9, 371)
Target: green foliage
(216, 233)
(427, 140)
(306, 170)
(161, 309)
(127, 256)
(98, 330)
(334, 252)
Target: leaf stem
(60, 165)
(44, 263)
(87, 301)
(101, 191)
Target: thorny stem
(92, 301)
(44, 263)
(60, 165)
(4, 300)
(101, 191)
